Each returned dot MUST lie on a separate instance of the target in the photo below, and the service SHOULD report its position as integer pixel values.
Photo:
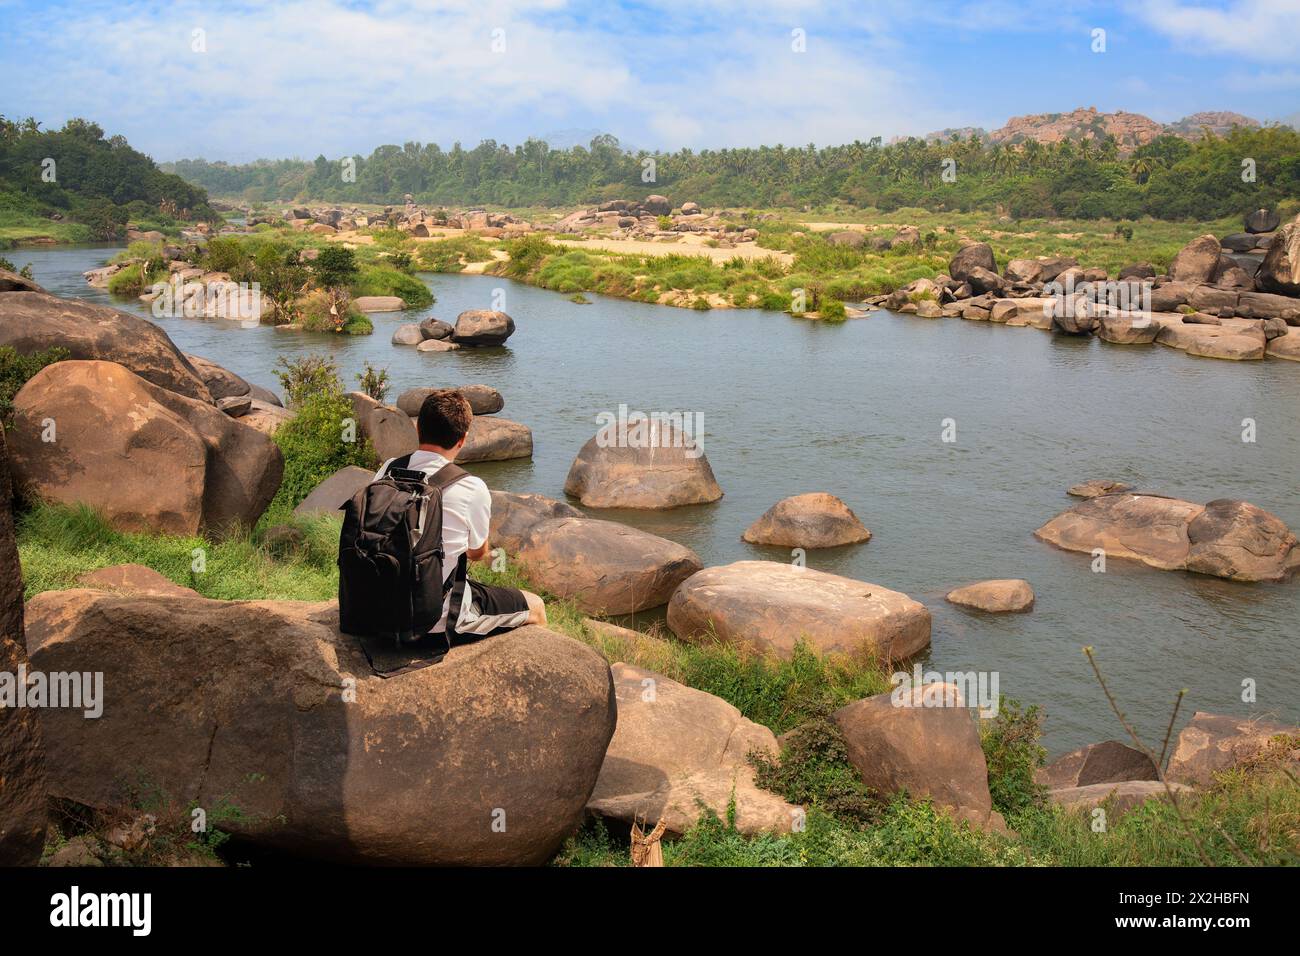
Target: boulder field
(649, 467)
(488, 758)
(150, 459)
(1225, 538)
(768, 607)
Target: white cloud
(1256, 30)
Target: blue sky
(302, 77)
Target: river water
(858, 410)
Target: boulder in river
(768, 606)
(408, 334)
(647, 466)
(678, 751)
(1097, 486)
(816, 520)
(150, 459)
(1225, 538)
(923, 740)
(483, 399)
(22, 758)
(478, 327)
(1220, 341)
(603, 566)
(272, 710)
(496, 439)
(998, 596)
(432, 328)
(32, 322)
(514, 515)
(379, 303)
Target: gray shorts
(487, 608)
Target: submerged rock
(816, 520)
(1097, 486)
(651, 468)
(997, 596)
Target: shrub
(335, 266)
(381, 280)
(1011, 747)
(374, 382)
(832, 310)
(813, 770)
(15, 371)
(310, 375)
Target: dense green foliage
(100, 183)
(1169, 178)
(15, 370)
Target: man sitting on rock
(443, 423)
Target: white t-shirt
(466, 514)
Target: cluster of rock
(198, 293)
(1226, 538)
(857, 239)
(642, 220)
(409, 218)
(130, 425)
(474, 328)
(1231, 298)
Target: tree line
(1169, 178)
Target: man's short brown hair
(444, 418)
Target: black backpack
(390, 577)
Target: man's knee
(536, 608)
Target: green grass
(22, 220)
(381, 280)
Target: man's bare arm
(479, 553)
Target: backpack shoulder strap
(403, 461)
(447, 475)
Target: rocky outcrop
(1226, 538)
(481, 327)
(1197, 261)
(769, 607)
(923, 740)
(335, 491)
(1007, 595)
(1107, 762)
(973, 255)
(13, 282)
(150, 459)
(1212, 743)
(32, 322)
(678, 751)
(269, 709)
(651, 468)
(815, 520)
(133, 579)
(515, 515)
(22, 759)
(604, 567)
(221, 382)
(1225, 341)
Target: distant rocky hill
(1130, 130)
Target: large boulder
(603, 566)
(221, 382)
(1121, 329)
(1107, 762)
(1285, 346)
(1211, 743)
(22, 760)
(266, 417)
(1197, 261)
(486, 758)
(650, 467)
(13, 282)
(390, 430)
(678, 751)
(436, 329)
(150, 459)
(1000, 596)
(379, 303)
(408, 333)
(482, 327)
(1024, 271)
(923, 740)
(483, 399)
(816, 520)
(1226, 538)
(496, 439)
(514, 515)
(1262, 220)
(1231, 342)
(657, 205)
(335, 491)
(1268, 305)
(32, 322)
(769, 607)
(1280, 270)
(973, 255)
(1034, 311)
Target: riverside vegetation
(1249, 814)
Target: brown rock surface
(816, 520)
